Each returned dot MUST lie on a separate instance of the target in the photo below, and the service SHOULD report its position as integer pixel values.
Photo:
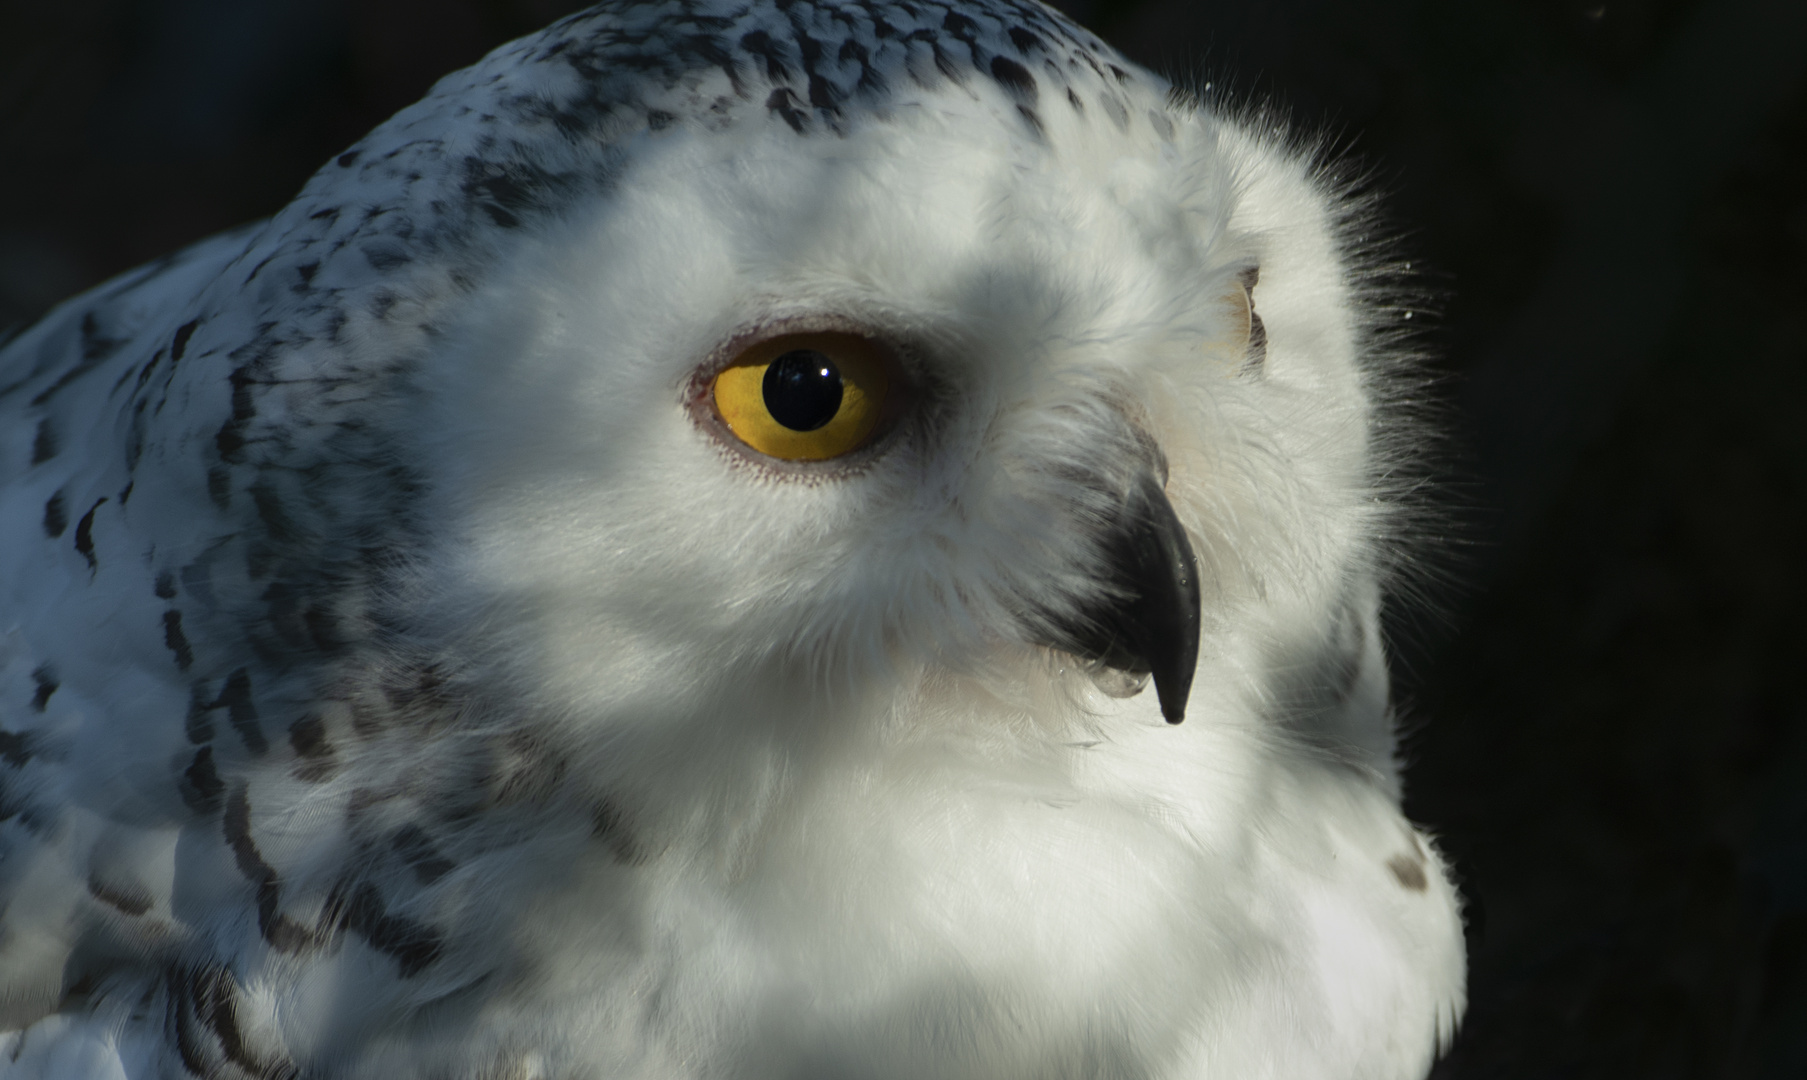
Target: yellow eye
(805, 397)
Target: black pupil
(802, 389)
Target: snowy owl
(686, 553)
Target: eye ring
(806, 397)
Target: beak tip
(1173, 697)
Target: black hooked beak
(1148, 624)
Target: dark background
(1607, 710)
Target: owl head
(753, 377)
(850, 353)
